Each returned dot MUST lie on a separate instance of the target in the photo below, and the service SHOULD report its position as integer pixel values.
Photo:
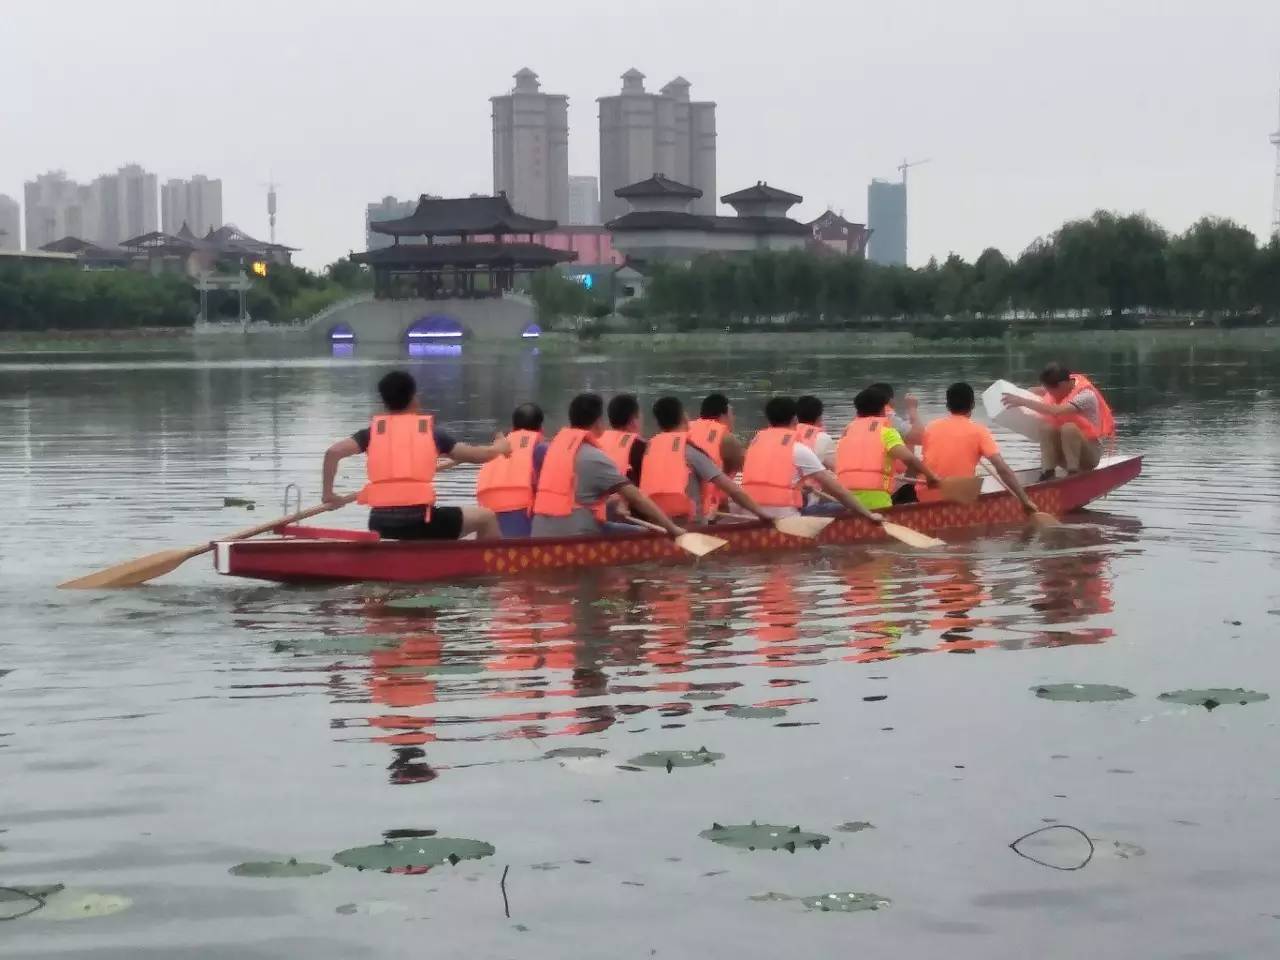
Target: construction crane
(906, 165)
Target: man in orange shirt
(953, 445)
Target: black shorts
(411, 523)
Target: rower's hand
(912, 402)
(1011, 400)
(932, 482)
(676, 532)
(331, 499)
(501, 445)
(1028, 508)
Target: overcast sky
(1031, 111)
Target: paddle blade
(960, 489)
(806, 527)
(1044, 521)
(912, 538)
(699, 544)
(134, 572)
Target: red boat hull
(297, 560)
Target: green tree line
(1110, 267)
(64, 298)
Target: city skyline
(1018, 149)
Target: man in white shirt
(812, 432)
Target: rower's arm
(471, 453)
(836, 491)
(642, 505)
(1012, 482)
(738, 496)
(346, 447)
(904, 454)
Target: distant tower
(271, 208)
(531, 148)
(1275, 189)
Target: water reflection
(574, 655)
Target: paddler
(777, 464)
(953, 445)
(622, 442)
(506, 485)
(911, 427)
(812, 432)
(713, 433)
(577, 479)
(402, 445)
(869, 450)
(679, 475)
(1078, 416)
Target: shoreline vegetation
(1109, 272)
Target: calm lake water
(151, 740)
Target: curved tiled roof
(462, 215)
(658, 185)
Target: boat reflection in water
(566, 655)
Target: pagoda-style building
(470, 247)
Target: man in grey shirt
(1065, 444)
(699, 468)
(594, 480)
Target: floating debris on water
(404, 833)
(1213, 698)
(702, 695)
(430, 601)
(238, 502)
(371, 908)
(755, 713)
(763, 836)
(1081, 692)
(578, 753)
(855, 826)
(771, 897)
(17, 902)
(413, 852)
(279, 868)
(1074, 849)
(56, 902)
(677, 758)
(358, 644)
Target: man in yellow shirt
(868, 453)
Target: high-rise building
(584, 201)
(56, 207)
(642, 134)
(887, 221)
(196, 202)
(388, 208)
(531, 148)
(10, 215)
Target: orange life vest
(769, 473)
(557, 484)
(617, 446)
(807, 434)
(707, 436)
(665, 475)
(506, 483)
(861, 457)
(400, 461)
(1094, 431)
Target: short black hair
(585, 411)
(870, 402)
(1054, 374)
(668, 412)
(527, 416)
(622, 409)
(780, 411)
(715, 406)
(885, 388)
(808, 409)
(960, 398)
(397, 390)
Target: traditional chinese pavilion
(470, 247)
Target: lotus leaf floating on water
(279, 868)
(1214, 697)
(677, 758)
(413, 852)
(1081, 692)
(763, 836)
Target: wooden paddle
(912, 538)
(1038, 518)
(135, 572)
(698, 544)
